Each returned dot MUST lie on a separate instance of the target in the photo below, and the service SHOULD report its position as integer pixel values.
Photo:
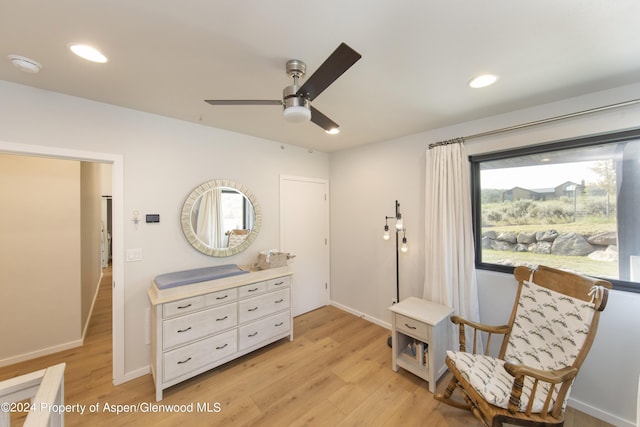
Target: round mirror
(220, 218)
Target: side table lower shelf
(420, 338)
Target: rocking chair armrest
(554, 377)
(501, 329)
(477, 327)
(560, 376)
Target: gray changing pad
(187, 277)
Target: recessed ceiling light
(333, 131)
(483, 81)
(25, 64)
(87, 52)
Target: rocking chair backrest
(554, 320)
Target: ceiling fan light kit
(296, 114)
(296, 99)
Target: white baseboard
(42, 352)
(599, 414)
(128, 376)
(85, 327)
(357, 313)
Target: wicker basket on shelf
(269, 260)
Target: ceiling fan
(296, 100)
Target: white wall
(40, 260)
(90, 236)
(363, 264)
(164, 159)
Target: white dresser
(199, 326)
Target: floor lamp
(399, 228)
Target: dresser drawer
(280, 282)
(194, 356)
(198, 325)
(221, 297)
(264, 329)
(183, 306)
(252, 289)
(413, 327)
(263, 305)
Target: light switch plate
(134, 254)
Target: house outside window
(573, 205)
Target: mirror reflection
(220, 218)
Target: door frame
(326, 225)
(117, 200)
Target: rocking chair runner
(552, 326)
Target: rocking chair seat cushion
(488, 377)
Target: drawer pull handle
(410, 327)
(252, 309)
(221, 319)
(279, 324)
(252, 290)
(252, 335)
(222, 346)
(180, 362)
(184, 330)
(222, 297)
(180, 307)
(279, 301)
(278, 283)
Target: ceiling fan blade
(243, 102)
(321, 120)
(333, 67)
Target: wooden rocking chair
(550, 331)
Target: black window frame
(578, 142)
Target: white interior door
(304, 232)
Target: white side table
(420, 337)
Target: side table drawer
(261, 330)
(194, 326)
(191, 357)
(413, 327)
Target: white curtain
(209, 224)
(450, 276)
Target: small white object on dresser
(200, 326)
(419, 338)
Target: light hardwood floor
(336, 372)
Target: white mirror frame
(185, 219)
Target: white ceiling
(167, 56)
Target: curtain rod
(543, 121)
(447, 142)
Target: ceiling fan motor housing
(296, 69)
(296, 108)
